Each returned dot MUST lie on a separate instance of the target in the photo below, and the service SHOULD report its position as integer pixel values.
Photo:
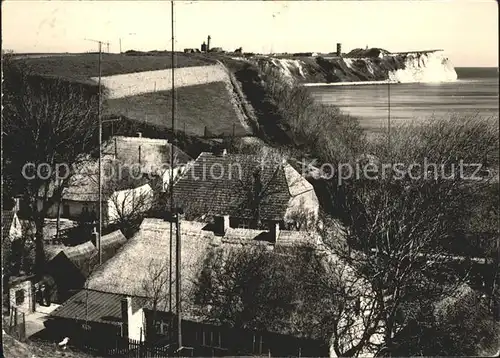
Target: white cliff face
(289, 67)
(403, 68)
(426, 67)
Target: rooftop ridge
(141, 139)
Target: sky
(466, 29)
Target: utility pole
(178, 278)
(100, 152)
(100, 156)
(173, 207)
(389, 119)
(171, 184)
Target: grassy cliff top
(82, 67)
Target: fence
(102, 341)
(125, 348)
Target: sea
(474, 93)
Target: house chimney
(220, 152)
(339, 49)
(95, 239)
(274, 231)
(126, 312)
(221, 224)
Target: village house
(151, 155)
(149, 248)
(101, 317)
(108, 321)
(134, 168)
(132, 273)
(80, 199)
(71, 266)
(249, 190)
(137, 267)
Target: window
(211, 337)
(244, 224)
(19, 297)
(158, 327)
(161, 327)
(217, 339)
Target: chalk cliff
(364, 66)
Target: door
(65, 211)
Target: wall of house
(209, 339)
(125, 202)
(306, 203)
(25, 290)
(178, 171)
(75, 209)
(136, 324)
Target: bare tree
(130, 196)
(156, 285)
(395, 226)
(296, 290)
(46, 122)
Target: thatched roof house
(145, 255)
(71, 267)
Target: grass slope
(12, 348)
(207, 105)
(82, 67)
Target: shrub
(322, 131)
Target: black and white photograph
(250, 178)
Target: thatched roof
(134, 264)
(82, 257)
(80, 252)
(114, 239)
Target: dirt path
(236, 100)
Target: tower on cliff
(208, 43)
(339, 49)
